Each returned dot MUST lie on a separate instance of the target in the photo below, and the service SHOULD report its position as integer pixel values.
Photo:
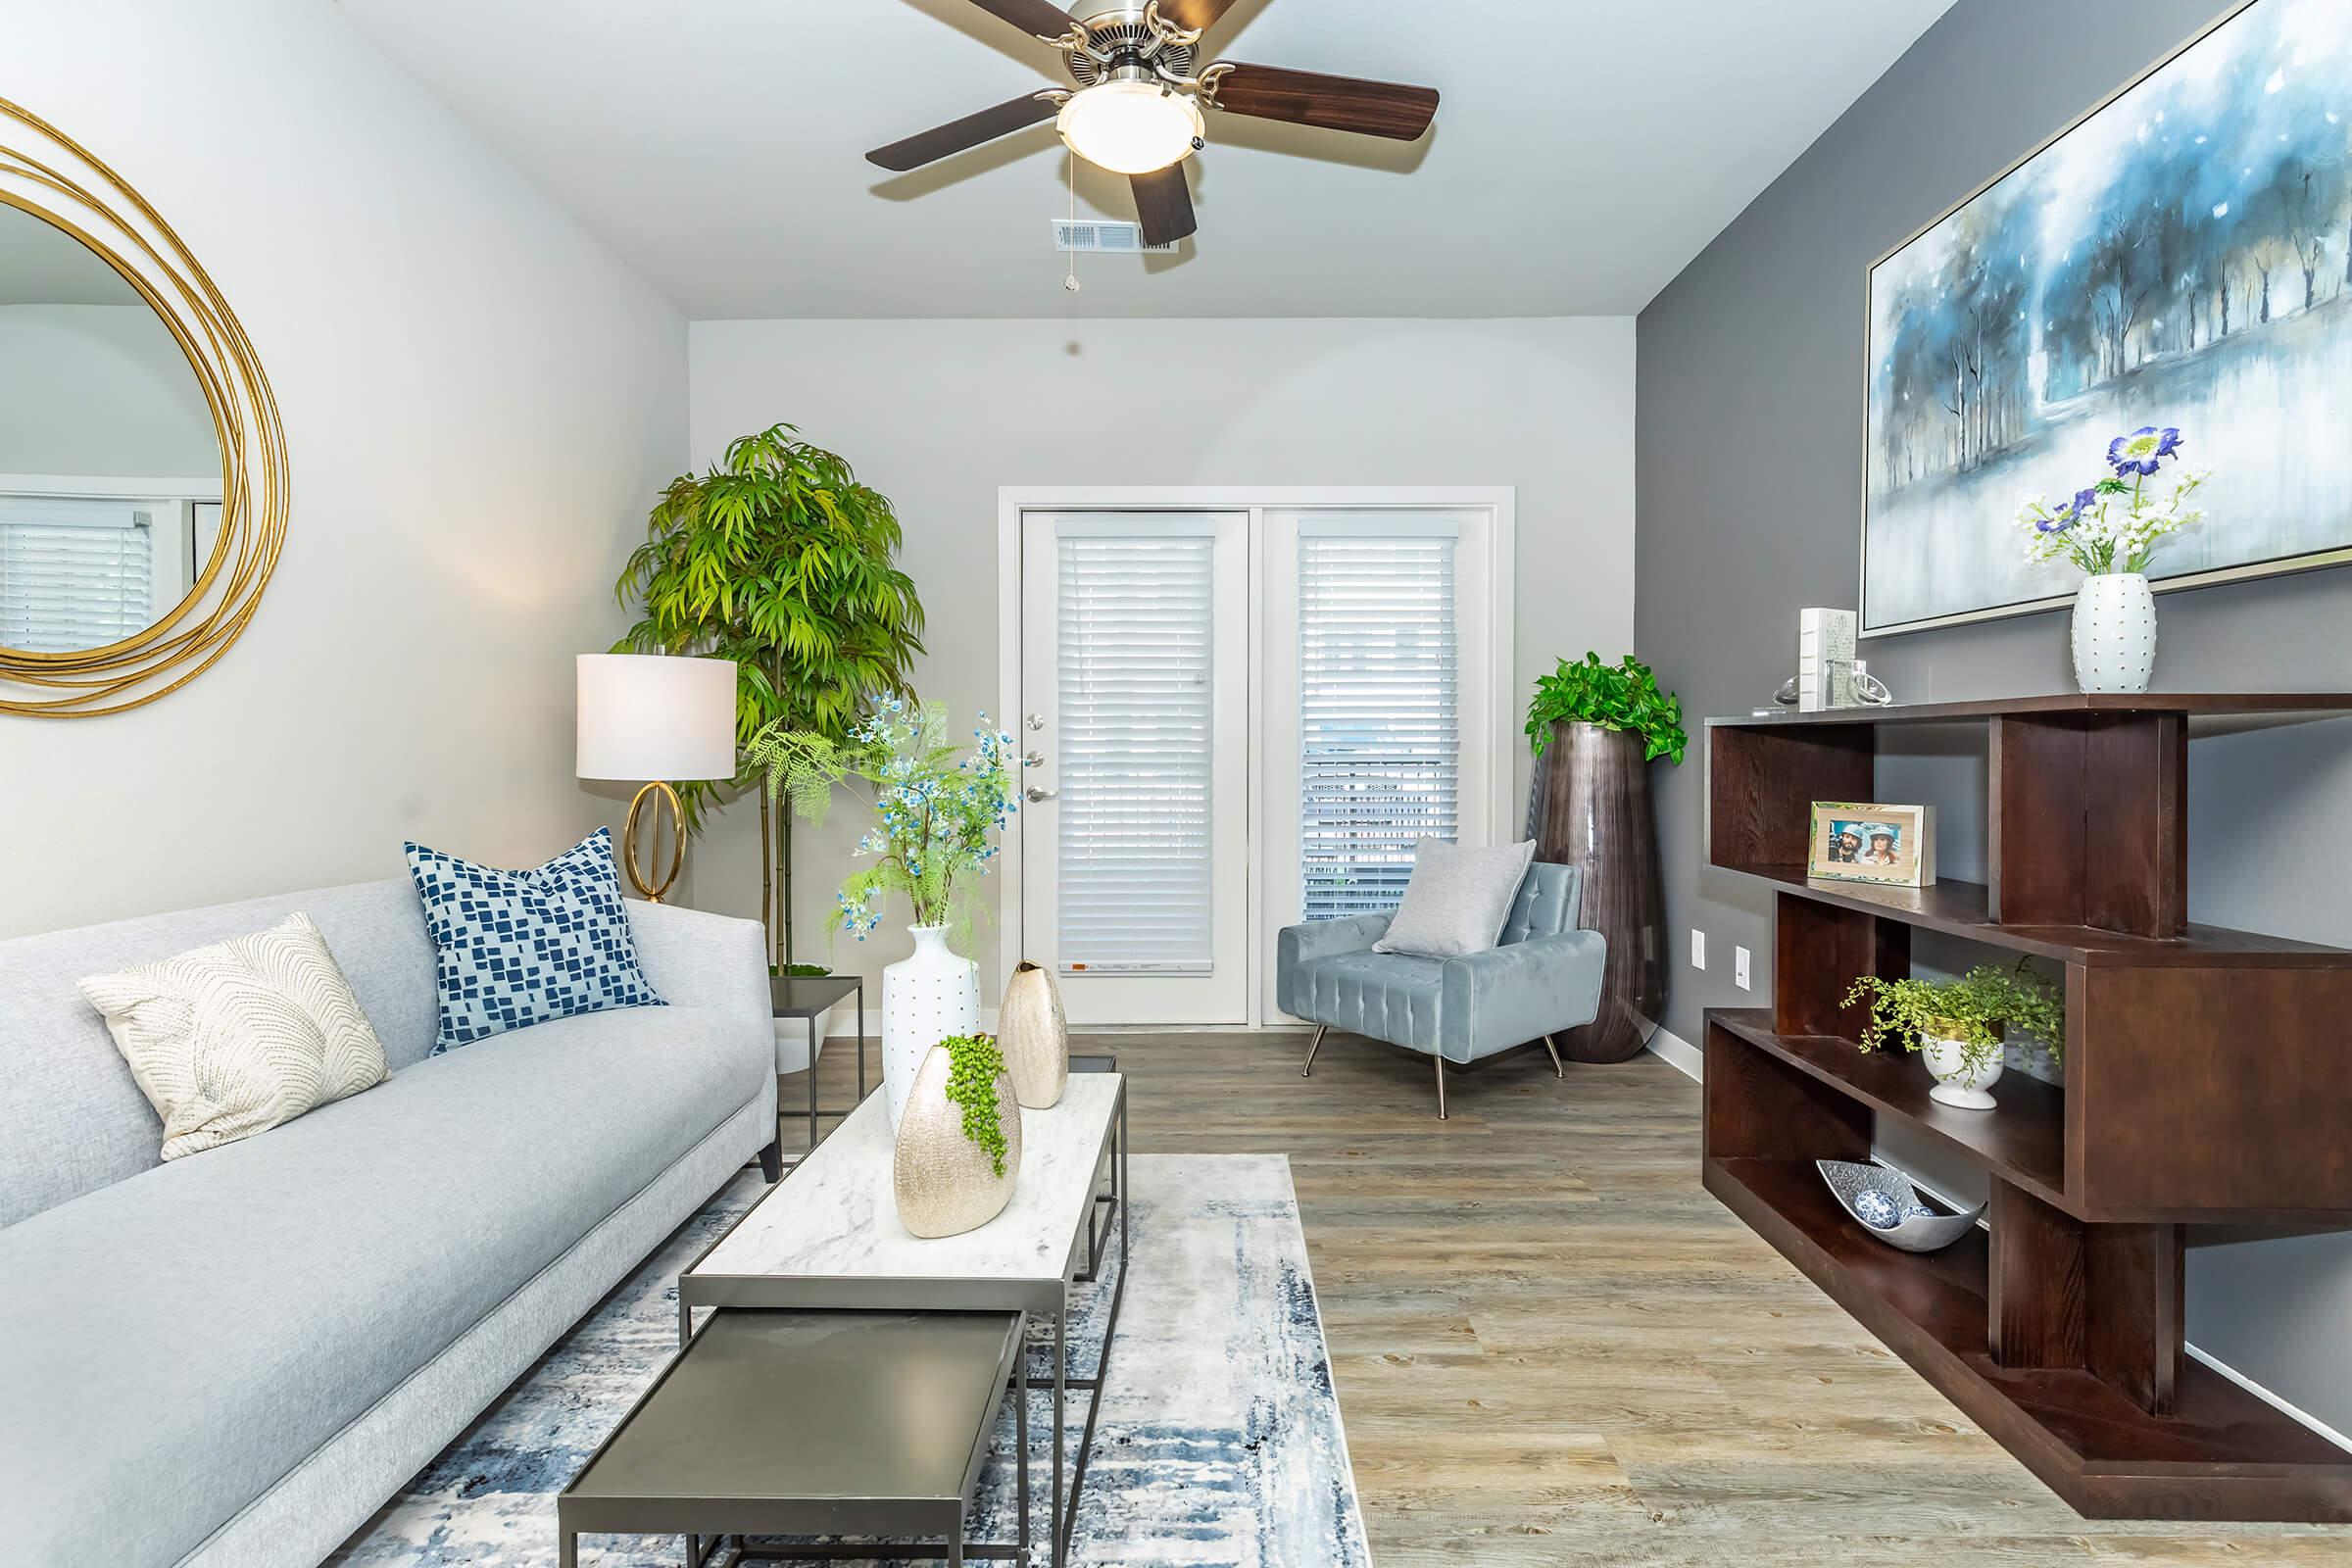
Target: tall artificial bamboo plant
(779, 559)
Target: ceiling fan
(1137, 107)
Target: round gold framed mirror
(142, 466)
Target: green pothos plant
(1624, 696)
(1977, 1011)
(781, 561)
(974, 1063)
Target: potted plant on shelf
(937, 810)
(1595, 729)
(779, 559)
(2111, 529)
(1958, 1026)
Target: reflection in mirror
(110, 460)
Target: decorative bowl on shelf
(1889, 1208)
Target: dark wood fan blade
(1164, 202)
(930, 146)
(1040, 16)
(1335, 103)
(1199, 14)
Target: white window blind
(1136, 697)
(73, 574)
(1379, 729)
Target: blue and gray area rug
(1219, 1442)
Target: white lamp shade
(647, 716)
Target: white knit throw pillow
(232, 1039)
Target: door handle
(1035, 793)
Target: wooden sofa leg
(772, 1162)
(1440, 1061)
(1313, 1045)
(1556, 1070)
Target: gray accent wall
(1748, 467)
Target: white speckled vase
(944, 1182)
(2115, 633)
(1035, 1035)
(929, 997)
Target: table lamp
(657, 719)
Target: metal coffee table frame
(941, 1522)
(811, 999)
(1037, 1302)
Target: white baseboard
(1681, 1055)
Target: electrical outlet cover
(1698, 948)
(1739, 961)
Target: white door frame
(1501, 502)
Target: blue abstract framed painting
(2181, 256)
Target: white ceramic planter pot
(2115, 633)
(926, 998)
(943, 1183)
(1035, 1035)
(1955, 1084)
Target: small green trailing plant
(1622, 696)
(974, 1063)
(937, 807)
(1977, 1011)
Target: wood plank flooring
(1553, 1348)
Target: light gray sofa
(233, 1359)
(1543, 975)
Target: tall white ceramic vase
(926, 998)
(2115, 632)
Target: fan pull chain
(1070, 284)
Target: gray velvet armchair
(1544, 976)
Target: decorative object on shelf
(2111, 529)
(1958, 1026)
(937, 814)
(781, 561)
(123, 590)
(661, 718)
(958, 1150)
(1862, 689)
(1888, 1206)
(1894, 846)
(1035, 1034)
(1595, 729)
(1825, 658)
(2159, 263)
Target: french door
(1135, 656)
(1244, 716)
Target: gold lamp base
(648, 823)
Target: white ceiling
(1586, 149)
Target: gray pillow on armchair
(1457, 900)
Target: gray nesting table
(851, 1376)
(782, 1423)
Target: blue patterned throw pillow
(519, 947)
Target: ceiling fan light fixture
(1130, 126)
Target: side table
(809, 997)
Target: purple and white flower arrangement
(2115, 524)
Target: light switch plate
(1698, 948)
(1739, 975)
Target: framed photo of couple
(1894, 846)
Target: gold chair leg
(1556, 1070)
(1313, 1045)
(1440, 1061)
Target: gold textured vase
(946, 1183)
(1035, 1035)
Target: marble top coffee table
(829, 1236)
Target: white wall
(479, 403)
(937, 414)
(100, 389)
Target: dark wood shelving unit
(2209, 1079)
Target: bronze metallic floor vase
(1590, 807)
